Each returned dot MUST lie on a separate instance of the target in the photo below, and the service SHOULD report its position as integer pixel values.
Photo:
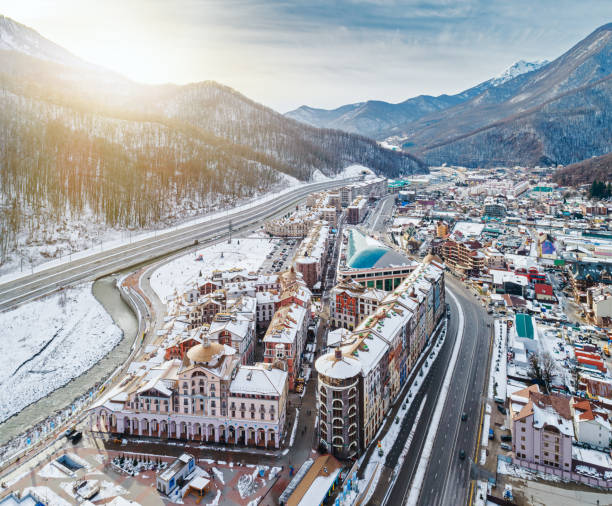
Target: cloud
(323, 53)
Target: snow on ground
(248, 483)
(294, 429)
(48, 342)
(318, 176)
(515, 471)
(216, 500)
(176, 274)
(51, 471)
(219, 475)
(354, 171)
(486, 425)
(49, 496)
(498, 377)
(83, 236)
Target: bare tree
(542, 368)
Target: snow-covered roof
(547, 415)
(258, 380)
(467, 229)
(347, 367)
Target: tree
(542, 368)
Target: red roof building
(544, 293)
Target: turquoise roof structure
(524, 325)
(367, 253)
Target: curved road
(447, 479)
(91, 267)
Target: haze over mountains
(80, 142)
(557, 113)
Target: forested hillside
(585, 172)
(84, 151)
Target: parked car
(506, 438)
(501, 409)
(505, 446)
(76, 437)
(69, 432)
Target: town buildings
(361, 379)
(357, 210)
(351, 302)
(207, 386)
(542, 432)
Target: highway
(46, 281)
(447, 479)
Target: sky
(322, 53)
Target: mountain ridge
(358, 117)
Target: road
(47, 281)
(447, 478)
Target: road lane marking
(417, 484)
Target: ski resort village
(392, 302)
(334, 351)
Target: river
(107, 294)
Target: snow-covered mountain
(17, 37)
(520, 67)
(376, 118)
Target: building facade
(200, 399)
(361, 379)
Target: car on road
(462, 454)
(463, 416)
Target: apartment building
(311, 255)
(361, 379)
(351, 302)
(463, 257)
(357, 210)
(542, 432)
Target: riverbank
(43, 414)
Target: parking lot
(280, 258)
